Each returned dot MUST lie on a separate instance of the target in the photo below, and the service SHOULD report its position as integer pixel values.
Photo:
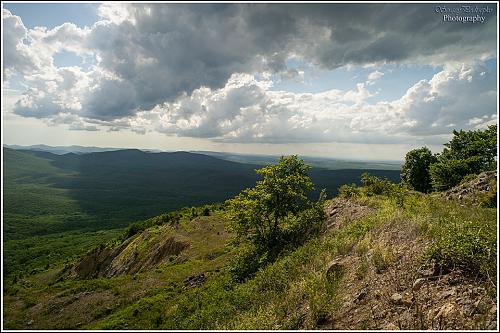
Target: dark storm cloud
(173, 49)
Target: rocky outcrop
(143, 252)
(195, 280)
(472, 190)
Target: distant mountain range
(60, 150)
(257, 159)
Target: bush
(449, 173)
(468, 178)
(489, 199)
(372, 185)
(470, 247)
(349, 191)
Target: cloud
(244, 111)
(188, 69)
(16, 57)
(374, 76)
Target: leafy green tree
(415, 171)
(467, 144)
(260, 213)
(274, 216)
(468, 152)
(448, 173)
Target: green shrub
(489, 199)
(449, 173)
(468, 178)
(372, 185)
(381, 258)
(349, 191)
(470, 247)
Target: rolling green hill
(57, 204)
(397, 260)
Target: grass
(291, 293)
(294, 292)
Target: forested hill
(141, 184)
(56, 205)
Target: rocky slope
(387, 286)
(474, 189)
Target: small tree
(274, 216)
(260, 213)
(415, 171)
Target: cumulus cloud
(16, 55)
(188, 69)
(374, 76)
(245, 111)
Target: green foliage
(468, 152)
(415, 171)
(448, 173)
(466, 144)
(258, 214)
(349, 191)
(469, 246)
(34, 253)
(373, 185)
(275, 213)
(468, 178)
(489, 199)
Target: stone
(493, 309)
(361, 295)
(446, 293)
(195, 280)
(31, 322)
(335, 271)
(418, 284)
(396, 298)
(446, 311)
(391, 327)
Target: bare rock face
(129, 258)
(95, 262)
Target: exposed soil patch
(130, 258)
(341, 211)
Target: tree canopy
(468, 152)
(415, 171)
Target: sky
(354, 81)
